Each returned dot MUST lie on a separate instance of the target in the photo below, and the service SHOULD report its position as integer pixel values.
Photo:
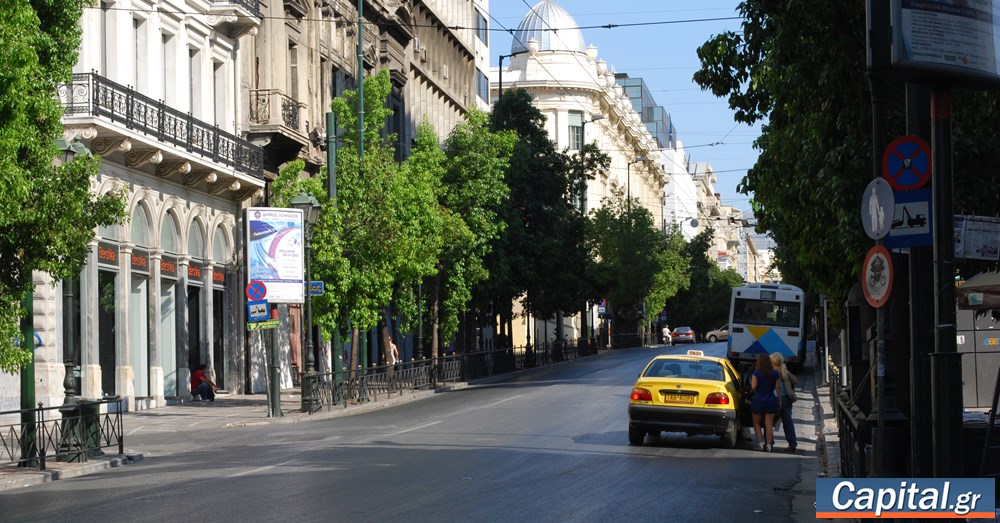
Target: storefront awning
(982, 291)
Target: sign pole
(274, 383)
(946, 361)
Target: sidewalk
(226, 411)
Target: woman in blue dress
(766, 399)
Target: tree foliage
(634, 261)
(539, 255)
(47, 214)
(473, 193)
(704, 304)
(803, 73)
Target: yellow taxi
(690, 393)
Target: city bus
(765, 318)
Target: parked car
(683, 335)
(720, 334)
(690, 393)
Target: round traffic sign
(906, 163)
(876, 276)
(877, 207)
(256, 290)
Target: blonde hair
(777, 358)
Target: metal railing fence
(384, 381)
(78, 432)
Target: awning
(981, 291)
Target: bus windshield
(767, 312)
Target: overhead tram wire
(431, 26)
(597, 80)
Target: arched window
(168, 236)
(220, 247)
(196, 241)
(140, 227)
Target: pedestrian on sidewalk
(765, 400)
(201, 386)
(787, 382)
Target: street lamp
(585, 311)
(628, 175)
(310, 211)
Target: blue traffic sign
(912, 224)
(906, 163)
(256, 290)
(257, 310)
(316, 288)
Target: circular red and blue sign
(256, 290)
(906, 163)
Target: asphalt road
(550, 445)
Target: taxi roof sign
(692, 352)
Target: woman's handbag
(789, 389)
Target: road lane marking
(256, 470)
(133, 431)
(495, 403)
(418, 427)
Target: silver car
(720, 334)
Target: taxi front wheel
(636, 435)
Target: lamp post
(310, 212)
(582, 343)
(69, 151)
(628, 175)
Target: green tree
(632, 259)
(538, 258)
(47, 214)
(704, 303)
(473, 193)
(805, 76)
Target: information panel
(274, 252)
(949, 38)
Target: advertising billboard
(275, 252)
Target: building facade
(582, 103)
(194, 107)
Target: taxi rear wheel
(636, 435)
(730, 436)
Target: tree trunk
(385, 332)
(435, 317)
(354, 352)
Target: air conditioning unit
(444, 71)
(416, 47)
(423, 55)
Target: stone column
(125, 374)
(90, 361)
(183, 372)
(49, 369)
(155, 328)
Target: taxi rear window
(700, 370)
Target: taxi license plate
(678, 398)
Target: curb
(340, 411)
(57, 471)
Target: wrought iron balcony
(92, 94)
(272, 107)
(253, 6)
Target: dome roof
(538, 24)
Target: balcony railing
(95, 95)
(250, 5)
(267, 102)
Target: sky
(665, 57)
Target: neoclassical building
(582, 103)
(194, 107)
